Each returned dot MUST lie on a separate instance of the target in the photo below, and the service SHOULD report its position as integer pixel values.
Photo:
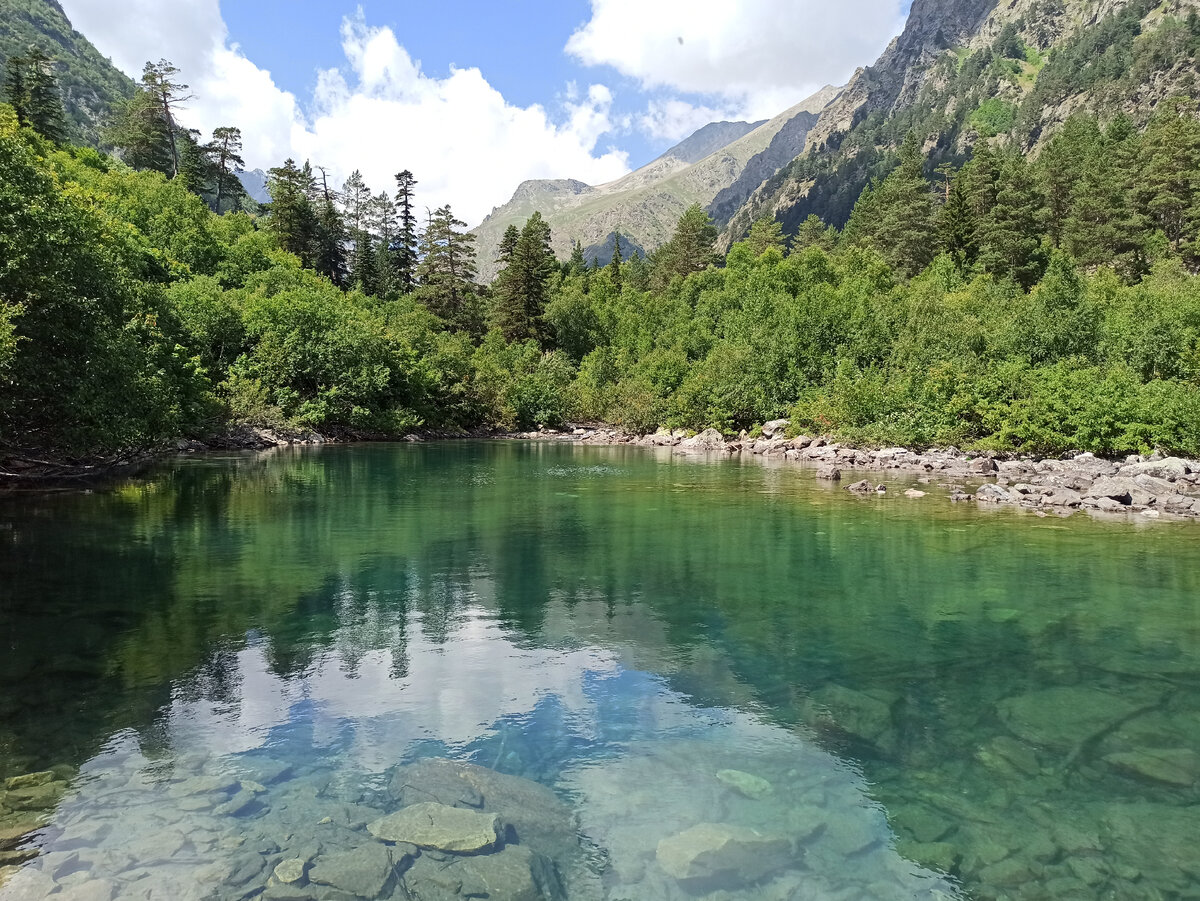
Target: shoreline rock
(1146, 487)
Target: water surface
(242, 660)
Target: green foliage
(993, 117)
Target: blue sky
(476, 97)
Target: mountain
(965, 71)
(91, 85)
(255, 183)
(645, 205)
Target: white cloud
(675, 119)
(761, 55)
(465, 143)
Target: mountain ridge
(645, 205)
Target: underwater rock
(439, 827)
(292, 870)
(1062, 718)
(754, 787)
(723, 854)
(863, 487)
(92, 890)
(941, 856)
(859, 715)
(42, 796)
(368, 871)
(539, 817)
(30, 780)
(1170, 766)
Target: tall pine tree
(522, 288)
(405, 258)
(447, 272)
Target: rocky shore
(1148, 487)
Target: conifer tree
(814, 233)
(577, 265)
(357, 199)
(447, 271)
(523, 286)
(32, 90)
(1169, 188)
(904, 225)
(291, 214)
(381, 222)
(637, 273)
(405, 258)
(508, 245)
(957, 226)
(689, 250)
(330, 256)
(1010, 236)
(226, 149)
(614, 268)
(766, 233)
(158, 80)
(141, 135)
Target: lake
(529, 671)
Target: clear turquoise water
(942, 701)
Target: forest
(1012, 302)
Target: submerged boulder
(538, 817)
(723, 854)
(747, 784)
(1062, 718)
(367, 872)
(435, 826)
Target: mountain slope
(644, 206)
(91, 85)
(970, 70)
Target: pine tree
(141, 135)
(291, 214)
(169, 96)
(1169, 190)
(1099, 227)
(1010, 236)
(447, 271)
(381, 221)
(766, 233)
(957, 226)
(508, 245)
(226, 148)
(1060, 167)
(577, 264)
(523, 286)
(637, 273)
(197, 163)
(32, 90)
(814, 233)
(904, 225)
(330, 255)
(356, 200)
(689, 250)
(614, 268)
(405, 257)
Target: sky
(475, 97)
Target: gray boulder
(437, 827)
(993, 494)
(775, 427)
(1171, 469)
(368, 872)
(829, 474)
(723, 855)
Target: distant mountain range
(255, 183)
(719, 166)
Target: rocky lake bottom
(544, 672)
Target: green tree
(522, 287)
(447, 272)
(1010, 235)
(405, 258)
(689, 250)
(766, 233)
(614, 267)
(330, 253)
(904, 214)
(356, 200)
(381, 221)
(139, 132)
(292, 217)
(158, 80)
(32, 89)
(226, 150)
(1169, 189)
